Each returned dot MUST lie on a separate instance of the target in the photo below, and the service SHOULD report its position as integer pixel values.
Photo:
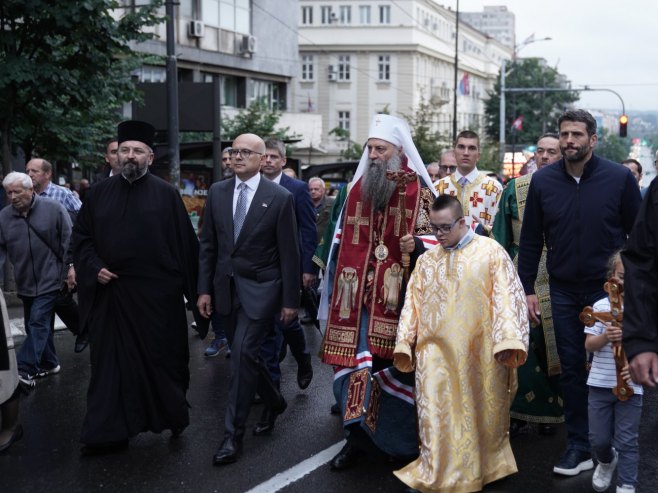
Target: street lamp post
(503, 69)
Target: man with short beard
(136, 256)
(366, 277)
(539, 375)
(582, 207)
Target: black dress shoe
(305, 372)
(177, 431)
(346, 458)
(267, 418)
(81, 343)
(228, 452)
(104, 448)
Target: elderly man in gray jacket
(34, 234)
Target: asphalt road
(48, 457)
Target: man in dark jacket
(641, 292)
(583, 208)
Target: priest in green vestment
(538, 399)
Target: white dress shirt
(252, 185)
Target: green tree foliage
(539, 110)
(353, 151)
(429, 142)
(611, 146)
(257, 119)
(64, 72)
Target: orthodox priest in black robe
(136, 255)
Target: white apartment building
(360, 57)
(495, 21)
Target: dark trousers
(570, 340)
(38, 349)
(248, 372)
(292, 335)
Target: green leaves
(540, 110)
(65, 71)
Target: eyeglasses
(451, 169)
(245, 153)
(443, 228)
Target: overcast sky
(599, 43)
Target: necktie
(240, 211)
(462, 183)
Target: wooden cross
(358, 221)
(489, 187)
(589, 317)
(401, 179)
(397, 212)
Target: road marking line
(283, 479)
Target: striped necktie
(240, 211)
(463, 181)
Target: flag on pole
(517, 124)
(464, 85)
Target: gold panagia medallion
(381, 252)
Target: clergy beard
(131, 169)
(375, 188)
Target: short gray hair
(17, 176)
(317, 178)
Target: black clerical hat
(136, 130)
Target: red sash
(361, 235)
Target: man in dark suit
(111, 166)
(290, 334)
(250, 265)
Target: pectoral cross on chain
(358, 220)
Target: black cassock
(137, 323)
(641, 279)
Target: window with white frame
(307, 67)
(231, 15)
(344, 120)
(325, 15)
(307, 15)
(345, 14)
(364, 14)
(384, 14)
(344, 67)
(384, 67)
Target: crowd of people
(452, 308)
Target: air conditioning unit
(332, 75)
(248, 45)
(195, 29)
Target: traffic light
(623, 125)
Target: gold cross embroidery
(357, 221)
(486, 216)
(441, 186)
(395, 211)
(489, 187)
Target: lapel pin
(263, 204)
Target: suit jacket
(306, 223)
(263, 262)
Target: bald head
(247, 155)
(40, 171)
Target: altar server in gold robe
(464, 329)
